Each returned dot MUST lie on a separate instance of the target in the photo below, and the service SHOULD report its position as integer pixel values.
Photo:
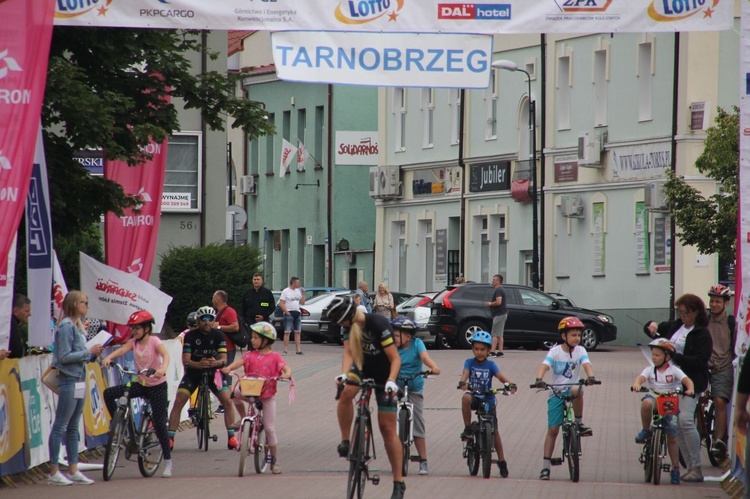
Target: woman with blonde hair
(369, 353)
(69, 357)
(384, 304)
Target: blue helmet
(404, 324)
(482, 337)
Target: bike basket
(667, 405)
(251, 387)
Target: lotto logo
(467, 11)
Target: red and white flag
(302, 155)
(59, 287)
(288, 154)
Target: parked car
(458, 311)
(562, 298)
(399, 298)
(417, 309)
(311, 311)
(314, 291)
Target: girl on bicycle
(663, 377)
(149, 353)
(369, 352)
(263, 362)
(477, 374)
(413, 354)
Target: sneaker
(398, 490)
(423, 469)
(233, 444)
(499, 354)
(219, 410)
(283, 353)
(585, 430)
(467, 433)
(503, 468)
(544, 475)
(167, 473)
(693, 476)
(492, 354)
(79, 479)
(719, 448)
(58, 479)
(675, 477)
(343, 448)
(642, 436)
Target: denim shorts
(292, 322)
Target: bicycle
(405, 421)
(138, 440)
(362, 449)
(480, 445)
(705, 422)
(655, 446)
(571, 433)
(201, 414)
(252, 435)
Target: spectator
(364, 293)
(499, 311)
(226, 321)
(21, 314)
(291, 298)
(460, 279)
(358, 303)
(258, 303)
(384, 304)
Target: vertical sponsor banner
(12, 420)
(24, 50)
(130, 240)
(642, 256)
(175, 372)
(59, 288)
(7, 274)
(39, 249)
(95, 415)
(39, 404)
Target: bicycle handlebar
(415, 376)
(123, 371)
(580, 382)
(679, 391)
(505, 390)
(365, 383)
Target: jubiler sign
(493, 176)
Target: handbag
(50, 380)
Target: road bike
(124, 434)
(655, 451)
(405, 421)
(479, 446)
(571, 431)
(201, 414)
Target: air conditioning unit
(374, 182)
(589, 149)
(571, 206)
(390, 182)
(248, 185)
(654, 197)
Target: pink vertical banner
(24, 52)
(130, 240)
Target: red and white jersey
(666, 379)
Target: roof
(235, 39)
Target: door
(543, 319)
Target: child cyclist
(565, 360)
(478, 373)
(663, 377)
(413, 353)
(264, 362)
(149, 353)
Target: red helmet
(721, 291)
(140, 317)
(570, 323)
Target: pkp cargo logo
(67, 9)
(474, 11)
(583, 6)
(678, 10)
(366, 11)
(4, 420)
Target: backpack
(242, 337)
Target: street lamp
(512, 66)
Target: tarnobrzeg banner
(426, 16)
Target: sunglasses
(207, 318)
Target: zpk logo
(579, 6)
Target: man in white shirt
(290, 300)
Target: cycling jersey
(201, 346)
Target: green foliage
(191, 275)
(710, 223)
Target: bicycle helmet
(665, 345)
(342, 308)
(192, 319)
(206, 312)
(570, 323)
(140, 317)
(404, 324)
(482, 337)
(265, 329)
(721, 291)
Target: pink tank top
(267, 365)
(147, 357)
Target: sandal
(275, 469)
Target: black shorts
(191, 380)
(386, 402)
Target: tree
(710, 223)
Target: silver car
(311, 312)
(417, 309)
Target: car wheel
(589, 339)
(442, 343)
(315, 338)
(471, 327)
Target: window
(645, 80)
(501, 244)
(301, 125)
(286, 124)
(491, 100)
(183, 168)
(399, 111)
(563, 93)
(402, 257)
(601, 77)
(270, 146)
(533, 298)
(426, 254)
(254, 159)
(428, 114)
(455, 103)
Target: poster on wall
(642, 256)
(441, 255)
(662, 245)
(436, 181)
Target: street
(308, 436)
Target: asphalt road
(308, 436)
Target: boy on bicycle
(663, 377)
(565, 360)
(478, 373)
(413, 353)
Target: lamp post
(512, 66)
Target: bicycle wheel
(150, 453)
(487, 437)
(574, 448)
(648, 467)
(206, 416)
(472, 456)
(114, 444)
(262, 451)
(709, 420)
(659, 450)
(246, 433)
(354, 486)
(405, 438)
(197, 411)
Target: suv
(458, 311)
